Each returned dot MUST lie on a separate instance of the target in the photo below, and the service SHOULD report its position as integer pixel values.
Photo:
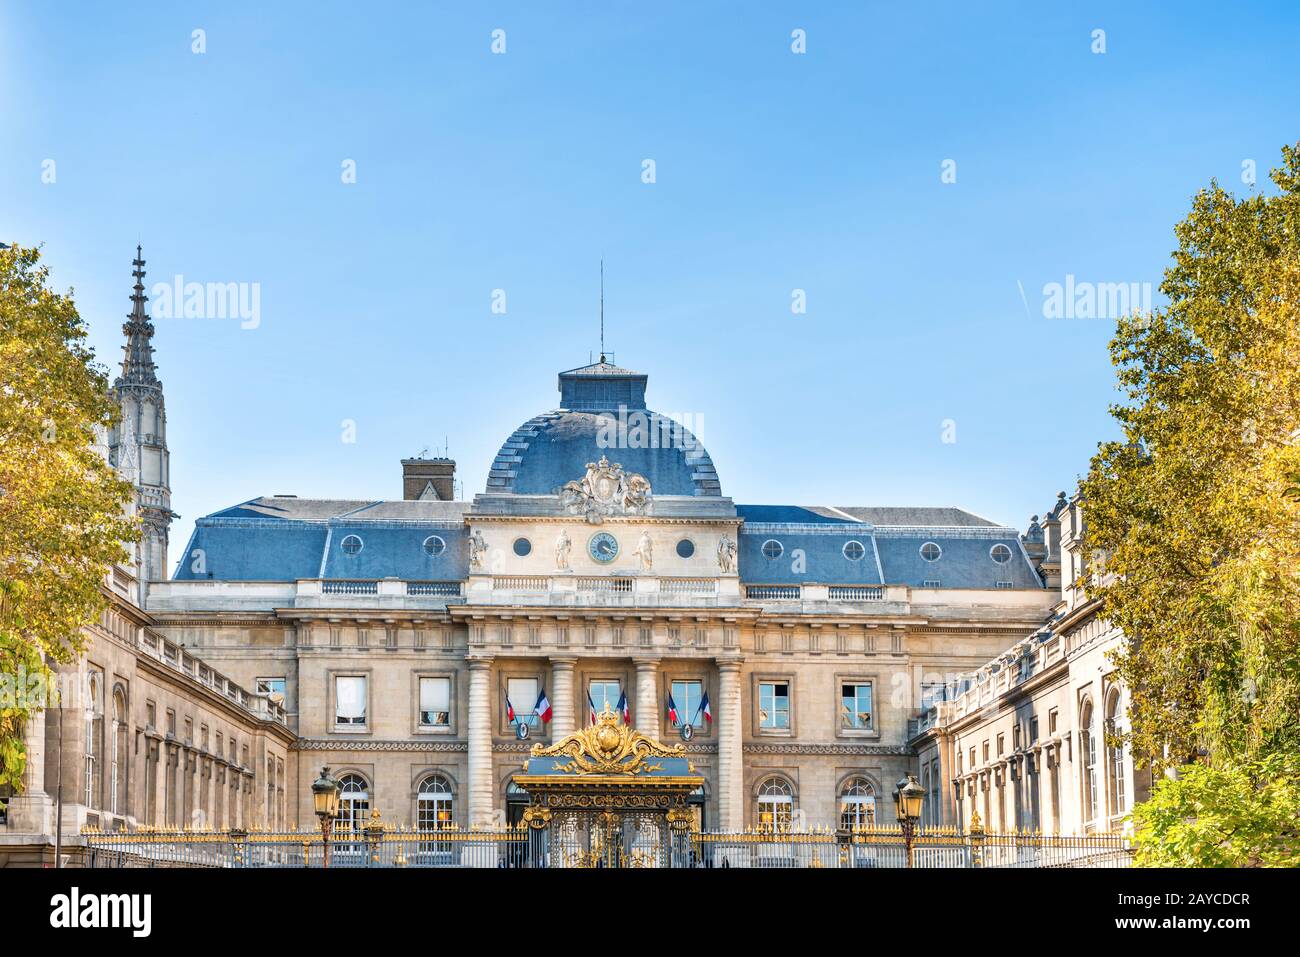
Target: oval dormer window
(351, 544)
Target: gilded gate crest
(608, 747)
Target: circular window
(1000, 554)
(433, 545)
(685, 548)
(772, 549)
(522, 547)
(351, 544)
(854, 551)
(931, 552)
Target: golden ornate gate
(608, 796)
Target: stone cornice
(829, 749)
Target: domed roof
(602, 413)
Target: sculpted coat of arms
(605, 490)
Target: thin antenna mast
(602, 308)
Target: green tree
(1196, 512)
(62, 506)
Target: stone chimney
(429, 480)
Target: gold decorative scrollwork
(537, 817)
(608, 747)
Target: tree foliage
(1197, 512)
(1244, 815)
(62, 506)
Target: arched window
(94, 737)
(434, 804)
(775, 809)
(1088, 745)
(354, 809)
(857, 805)
(1115, 755)
(118, 783)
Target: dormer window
(351, 545)
(854, 551)
(931, 552)
(1000, 554)
(772, 549)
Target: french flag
(623, 709)
(591, 709)
(706, 709)
(510, 710)
(672, 709)
(543, 707)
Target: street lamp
(325, 792)
(909, 796)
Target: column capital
(729, 663)
(564, 661)
(478, 661)
(646, 661)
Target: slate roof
(280, 538)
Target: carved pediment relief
(606, 489)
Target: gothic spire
(137, 362)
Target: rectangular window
(604, 691)
(349, 701)
(687, 695)
(972, 757)
(271, 686)
(774, 704)
(855, 706)
(932, 692)
(1001, 744)
(1033, 729)
(189, 730)
(435, 702)
(150, 714)
(1051, 721)
(986, 752)
(171, 722)
(523, 695)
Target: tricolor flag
(705, 708)
(510, 710)
(672, 709)
(623, 709)
(591, 709)
(543, 707)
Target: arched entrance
(608, 796)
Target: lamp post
(325, 792)
(908, 799)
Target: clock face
(603, 547)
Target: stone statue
(562, 546)
(477, 549)
(645, 552)
(726, 555)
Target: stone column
(481, 803)
(1051, 783)
(731, 775)
(562, 712)
(31, 812)
(645, 718)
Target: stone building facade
(796, 650)
(1030, 740)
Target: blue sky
(774, 171)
